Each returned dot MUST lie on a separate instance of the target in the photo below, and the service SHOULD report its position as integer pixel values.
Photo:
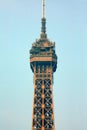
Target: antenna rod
(43, 21)
(43, 8)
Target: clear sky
(20, 23)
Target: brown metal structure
(43, 62)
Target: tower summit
(43, 63)
(43, 28)
(43, 8)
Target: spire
(43, 21)
(43, 8)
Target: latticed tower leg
(43, 115)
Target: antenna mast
(43, 8)
(43, 21)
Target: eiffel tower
(43, 63)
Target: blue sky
(20, 23)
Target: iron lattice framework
(43, 62)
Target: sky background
(20, 25)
